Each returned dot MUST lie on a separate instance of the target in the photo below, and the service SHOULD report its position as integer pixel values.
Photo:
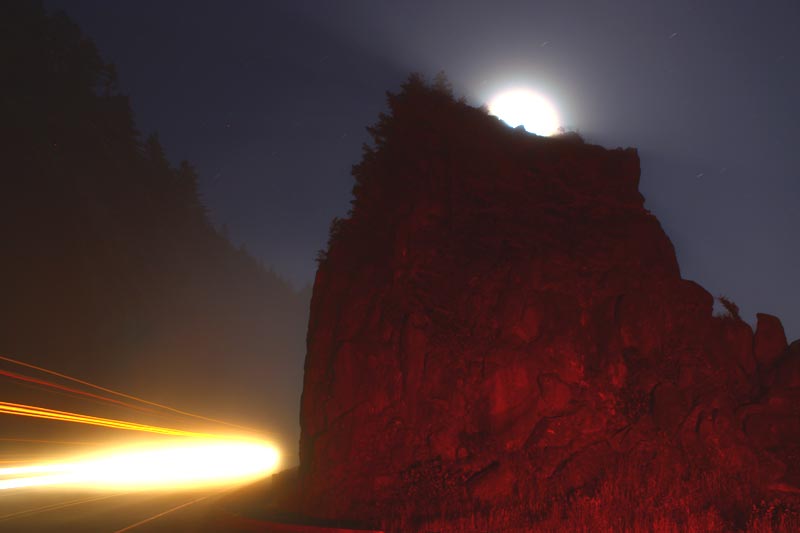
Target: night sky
(270, 101)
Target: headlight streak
(29, 379)
(47, 441)
(122, 394)
(180, 459)
(52, 414)
(193, 463)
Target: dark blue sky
(270, 100)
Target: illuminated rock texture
(500, 337)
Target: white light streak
(186, 463)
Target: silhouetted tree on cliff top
(416, 114)
(423, 148)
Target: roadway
(28, 511)
(238, 509)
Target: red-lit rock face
(770, 340)
(500, 329)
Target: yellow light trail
(183, 463)
(52, 414)
(120, 394)
(190, 459)
(46, 441)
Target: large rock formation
(500, 337)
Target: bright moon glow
(182, 464)
(526, 108)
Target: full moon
(523, 107)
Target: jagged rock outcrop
(500, 332)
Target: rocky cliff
(500, 337)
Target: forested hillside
(109, 260)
